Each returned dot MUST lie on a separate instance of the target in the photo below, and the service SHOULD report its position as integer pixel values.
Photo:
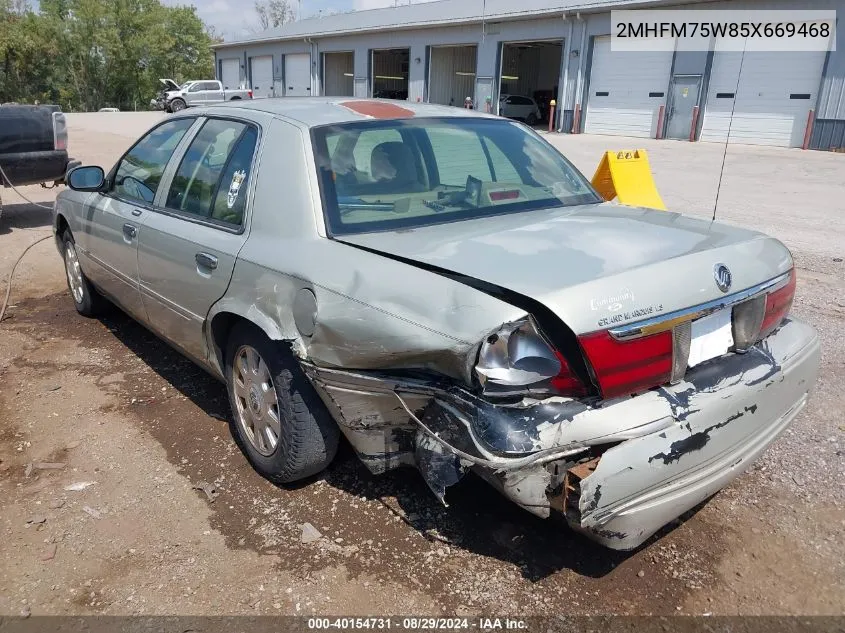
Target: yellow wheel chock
(626, 175)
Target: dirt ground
(102, 405)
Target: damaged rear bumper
(617, 470)
(727, 413)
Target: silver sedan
(445, 290)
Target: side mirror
(88, 178)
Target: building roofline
(430, 15)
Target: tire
(86, 299)
(288, 434)
(235, 99)
(532, 119)
(177, 105)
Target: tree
(86, 54)
(273, 13)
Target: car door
(195, 96)
(188, 244)
(111, 220)
(522, 107)
(213, 92)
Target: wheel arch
(222, 320)
(61, 225)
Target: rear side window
(139, 171)
(212, 178)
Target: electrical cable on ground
(11, 274)
(26, 250)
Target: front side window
(211, 180)
(399, 174)
(139, 171)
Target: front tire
(86, 299)
(177, 105)
(278, 420)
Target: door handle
(130, 230)
(204, 260)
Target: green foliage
(88, 54)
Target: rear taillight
(517, 359)
(59, 131)
(778, 305)
(249, 92)
(625, 367)
(566, 383)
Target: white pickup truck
(174, 97)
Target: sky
(232, 18)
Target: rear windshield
(400, 174)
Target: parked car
(447, 291)
(174, 97)
(109, 110)
(543, 98)
(33, 145)
(522, 108)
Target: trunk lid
(595, 266)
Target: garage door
(262, 76)
(775, 94)
(298, 75)
(626, 90)
(231, 74)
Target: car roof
(315, 111)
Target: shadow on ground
(23, 216)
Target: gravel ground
(116, 407)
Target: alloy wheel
(256, 400)
(74, 273)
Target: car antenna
(730, 124)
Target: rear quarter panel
(372, 312)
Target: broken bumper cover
(727, 413)
(660, 453)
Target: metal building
(450, 50)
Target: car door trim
(133, 283)
(167, 303)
